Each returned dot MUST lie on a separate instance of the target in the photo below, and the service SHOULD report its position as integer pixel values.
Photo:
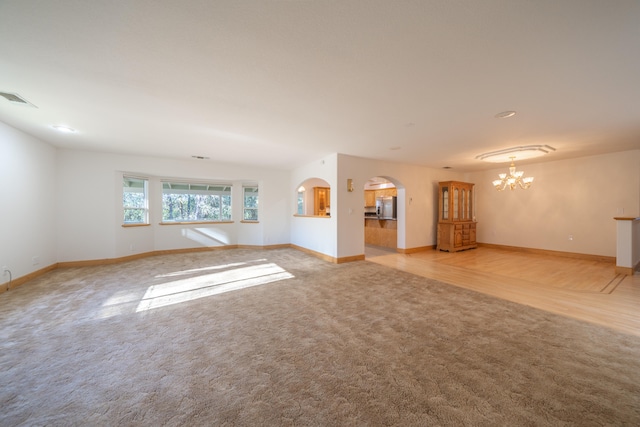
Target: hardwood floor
(586, 290)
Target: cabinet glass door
(445, 203)
(456, 203)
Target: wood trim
(415, 250)
(67, 264)
(599, 258)
(23, 279)
(107, 261)
(245, 221)
(196, 222)
(315, 254)
(328, 258)
(626, 218)
(628, 271)
(135, 225)
(312, 216)
(351, 258)
(280, 246)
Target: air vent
(16, 99)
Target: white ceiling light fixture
(513, 180)
(523, 151)
(63, 128)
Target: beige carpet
(251, 337)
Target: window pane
(134, 200)
(250, 207)
(251, 214)
(134, 215)
(300, 203)
(195, 202)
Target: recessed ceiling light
(200, 157)
(62, 128)
(505, 115)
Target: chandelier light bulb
(513, 180)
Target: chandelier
(513, 179)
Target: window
(250, 203)
(301, 200)
(182, 202)
(134, 200)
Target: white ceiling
(282, 83)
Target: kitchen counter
(381, 232)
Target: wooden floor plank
(582, 289)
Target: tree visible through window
(134, 200)
(184, 202)
(250, 203)
(301, 200)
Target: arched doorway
(383, 216)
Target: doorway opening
(382, 215)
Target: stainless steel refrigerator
(386, 207)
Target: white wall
(309, 196)
(316, 234)
(417, 201)
(65, 205)
(90, 216)
(27, 203)
(577, 197)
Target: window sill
(195, 222)
(312, 216)
(136, 225)
(248, 221)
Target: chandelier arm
(513, 179)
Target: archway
(313, 198)
(384, 216)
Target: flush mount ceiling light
(523, 151)
(505, 115)
(64, 129)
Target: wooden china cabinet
(456, 216)
(321, 201)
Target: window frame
(300, 201)
(223, 190)
(145, 202)
(245, 208)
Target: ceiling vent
(16, 99)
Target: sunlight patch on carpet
(200, 270)
(184, 290)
